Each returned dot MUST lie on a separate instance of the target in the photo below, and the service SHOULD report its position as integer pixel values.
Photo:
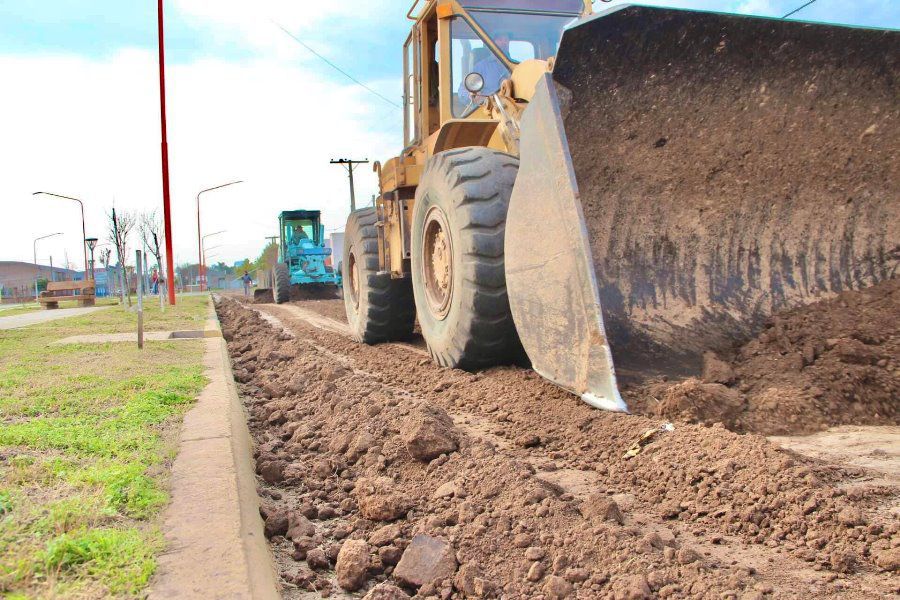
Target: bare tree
(105, 255)
(152, 235)
(120, 227)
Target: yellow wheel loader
(643, 184)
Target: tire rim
(353, 276)
(437, 263)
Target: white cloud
(90, 128)
(253, 21)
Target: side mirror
(474, 82)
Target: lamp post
(83, 231)
(199, 237)
(37, 269)
(91, 244)
(201, 266)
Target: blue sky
(365, 43)
(79, 113)
(368, 46)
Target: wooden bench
(80, 291)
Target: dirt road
(452, 484)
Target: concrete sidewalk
(42, 316)
(214, 534)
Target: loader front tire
(281, 283)
(379, 309)
(457, 265)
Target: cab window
(469, 54)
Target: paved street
(42, 316)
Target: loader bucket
(686, 174)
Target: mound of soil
(834, 362)
(300, 293)
(394, 473)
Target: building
(17, 279)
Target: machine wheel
(457, 258)
(379, 309)
(281, 283)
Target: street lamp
(83, 231)
(199, 238)
(91, 244)
(201, 266)
(37, 269)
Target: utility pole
(273, 239)
(350, 164)
(164, 147)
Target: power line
(798, 9)
(334, 66)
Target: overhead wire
(332, 65)
(798, 9)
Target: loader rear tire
(457, 266)
(379, 309)
(281, 283)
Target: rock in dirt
(272, 471)
(851, 517)
(352, 565)
(385, 535)
(317, 560)
(577, 575)
(536, 572)
(276, 523)
(888, 560)
(449, 490)
(386, 591)
(378, 500)
(389, 555)
(299, 527)
(634, 587)
(465, 579)
(428, 433)
(557, 588)
(686, 556)
(602, 508)
(425, 560)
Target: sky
(79, 111)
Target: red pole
(199, 248)
(167, 211)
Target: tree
(120, 226)
(104, 260)
(151, 233)
(267, 258)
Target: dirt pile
(830, 363)
(514, 488)
(300, 293)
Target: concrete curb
(216, 547)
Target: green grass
(87, 438)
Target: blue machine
(303, 258)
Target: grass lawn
(87, 438)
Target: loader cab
(453, 38)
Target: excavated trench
(384, 475)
